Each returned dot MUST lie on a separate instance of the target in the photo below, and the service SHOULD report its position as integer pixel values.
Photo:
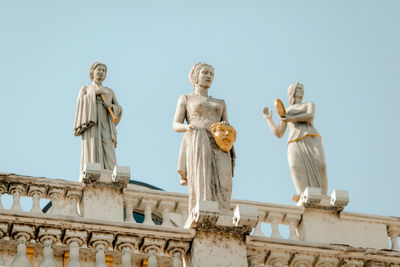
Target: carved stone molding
(49, 234)
(126, 241)
(3, 229)
(20, 188)
(302, 260)
(150, 243)
(278, 259)
(326, 261)
(22, 232)
(352, 263)
(98, 240)
(75, 236)
(174, 246)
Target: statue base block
(220, 235)
(211, 248)
(103, 201)
(324, 226)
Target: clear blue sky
(346, 53)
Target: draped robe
(94, 124)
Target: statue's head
(295, 93)
(201, 74)
(224, 135)
(98, 72)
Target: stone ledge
(72, 222)
(337, 250)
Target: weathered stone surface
(103, 202)
(327, 227)
(217, 249)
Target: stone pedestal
(325, 222)
(217, 249)
(330, 227)
(103, 200)
(220, 235)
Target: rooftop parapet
(161, 237)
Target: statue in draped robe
(97, 114)
(305, 152)
(202, 165)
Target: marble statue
(205, 168)
(97, 114)
(305, 152)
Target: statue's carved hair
(215, 125)
(195, 71)
(292, 90)
(93, 67)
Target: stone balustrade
(392, 225)
(170, 208)
(62, 235)
(275, 215)
(153, 202)
(58, 239)
(161, 204)
(64, 195)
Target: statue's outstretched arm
(278, 131)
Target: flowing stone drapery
(207, 170)
(305, 152)
(94, 123)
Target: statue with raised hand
(305, 152)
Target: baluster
(394, 235)
(74, 255)
(55, 195)
(151, 247)
(258, 231)
(36, 192)
(152, 258)
(148, 210)
(177, 249)
(3, 189)
(74, 239)
(126, 244)
(101, 241)
(48, 236)
(22, 233)
(129, 203)
(254, 261)
(74, 196)
(165, 207)
(21, 260)
(126, 257)
(2, 263)
(17, 190)
(292, 221)
(183, 210)
(275, 219)
(100, 257)
(48, 257)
